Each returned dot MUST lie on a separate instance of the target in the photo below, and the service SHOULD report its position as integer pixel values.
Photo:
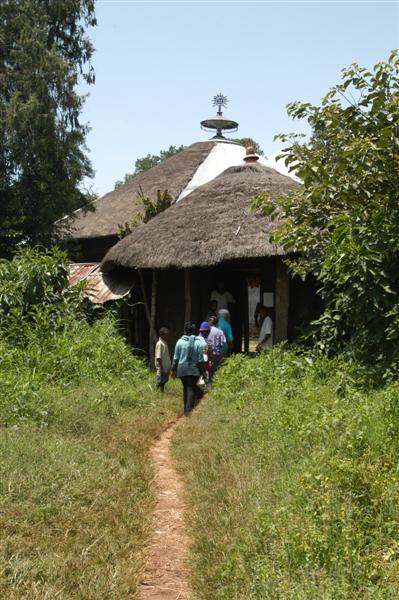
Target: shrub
(49, 349)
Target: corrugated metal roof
(80, 271)
(100, 287)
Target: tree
(344, 220)
(44, 52)
(149, 161)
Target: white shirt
(223, 300)
(267, 328)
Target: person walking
(162, 359)
(216, 339)
(203, 336)
(188, 365)
(224, 325)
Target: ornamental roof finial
(250, 155)
(219, 122)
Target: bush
(49, 349)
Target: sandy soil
(165, 574)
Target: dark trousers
(191, 393)
(161, 386)
(162, 380)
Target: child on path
(162, 359)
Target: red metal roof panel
(100, 287)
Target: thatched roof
(211, 225)
(123, 204)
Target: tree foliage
(344, 220)
(53, 339)
(32, 277)
(149, 161)
(150, 209)
(34, 291)
(44, 52)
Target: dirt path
(165, 574)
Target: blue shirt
(228, 332)
(188, 358)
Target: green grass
(292, 483)
(75, 502)
(45, 368)
(78, 413)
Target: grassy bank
(292, 481)
(78, 413)
(76, 501)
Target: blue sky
(158, 65)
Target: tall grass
(292, 476)
(40, 373)
(76, 502)
(78, 413)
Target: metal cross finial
(219, 123)
(220, 100)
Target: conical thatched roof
(211, 225)
(123, 204)
(180, 174)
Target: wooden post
(150, 316)
(136, 326)
(282, 302)
(245, 319)
(187, 296)
(153, 339)
(128, 326)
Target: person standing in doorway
(222, 296)
(162, 359)
(265, 341)
(188, 365)
(257, 317)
